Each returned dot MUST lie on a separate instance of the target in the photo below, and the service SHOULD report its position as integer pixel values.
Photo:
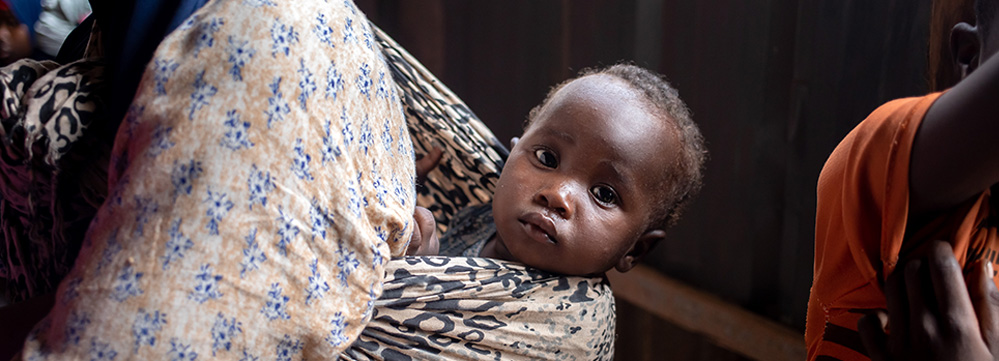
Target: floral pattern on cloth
(249, 214)
(459, 308)
(436, 117)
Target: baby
(605, 165)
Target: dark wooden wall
(774, 85)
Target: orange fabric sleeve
(861, 214)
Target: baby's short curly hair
(682, 178)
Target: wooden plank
(641, 336)
(728, 325)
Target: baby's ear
(638, 251)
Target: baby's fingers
(416, 240)
(425, 232)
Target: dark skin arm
(956, 155)
(935, 312)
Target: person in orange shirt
(916, 170)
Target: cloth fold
(468, 308)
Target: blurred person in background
(15, 41)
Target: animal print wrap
(460, 308)
(473, 157)
(54, 165)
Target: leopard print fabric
(54, 166)
(461, 308)
(473, 157)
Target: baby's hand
(424, 241)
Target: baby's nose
(557, 198)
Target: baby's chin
(500, 251)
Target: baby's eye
(604, 194)
(547, 158)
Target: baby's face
(580, 185)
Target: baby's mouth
(539, 228)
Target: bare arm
(956, 151)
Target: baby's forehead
(598, 84)
(596, 93)
(607, 91)
(605, 112)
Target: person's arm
(955, 155)
(933, 314)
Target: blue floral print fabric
(215, 244)
(258, 184)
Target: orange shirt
(861, 218)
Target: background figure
(15, 42)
